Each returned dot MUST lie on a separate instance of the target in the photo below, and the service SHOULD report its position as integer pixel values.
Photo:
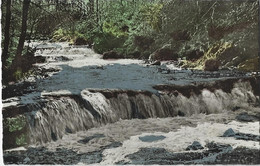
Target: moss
(21, 140)
(106, 42)
(250, 65)
(18, 74)
(62, 35)
(16, 124)
(151, 14)
(214, 52)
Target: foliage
(214, 52)
(107, 41)
(115, 29)
(250, 65)
(21, 140)
(62, 35)
(116, 25)
(18, 74)
(15, 124)
(151, 14)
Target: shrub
(180, 35)
(143, 42)
(104, 42)
(151, 13)
(250, 65)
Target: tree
(7, 32)
(25, 10)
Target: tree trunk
(97, 12)
(91, 7)
(26, 4)
(7, 32)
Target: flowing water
(118, 99)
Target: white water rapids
(90, 95)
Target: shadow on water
(116, 76)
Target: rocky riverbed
(81, 109)
(199, 139)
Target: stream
(81, 109)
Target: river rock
(39, 59)
(216, 147)
(152, 138)
(211, 65)
(61, 59)
(195, 146)
(91, 158)
(81, 41)
(87, 139)
(112, 55)
(48, 46)
(26, 160)
(245, 117)
(158, 63)
(229, 133)
(164, 54)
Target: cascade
(64, 114)
(98, 92)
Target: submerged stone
(87, 139)
(90, 158)
(152, 138)
(245, 117)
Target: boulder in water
(229, 133)
(87, 139)
(158, 63)
(195, 146)
(164, 54)
(245, 117)
(152, 138)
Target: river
(83, 109)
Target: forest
(224, 32)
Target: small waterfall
(50, 116)
(63, 114)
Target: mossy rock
(112, 55)
(211, 65)
(250, 65)
(81, 41)
(216, 51)
(164, 54)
